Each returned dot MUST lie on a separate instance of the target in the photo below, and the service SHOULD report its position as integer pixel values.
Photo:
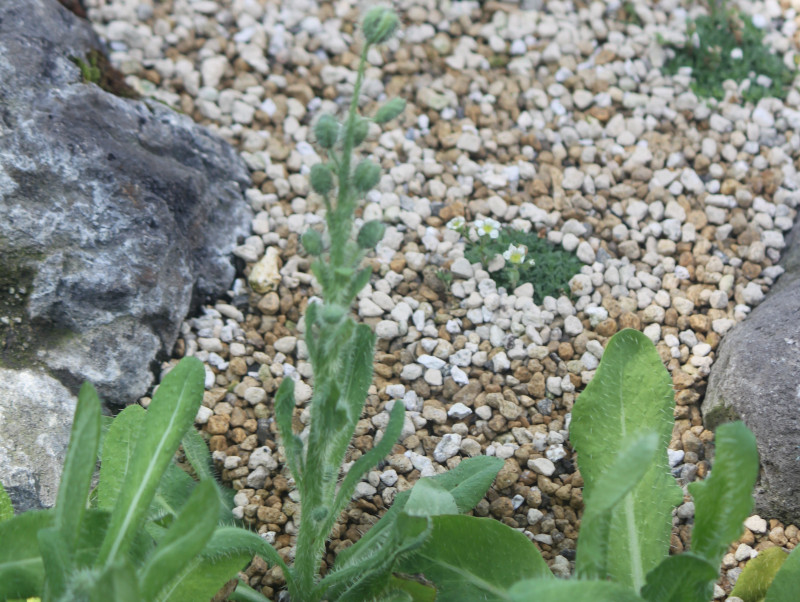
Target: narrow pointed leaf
(723, 501)
(183, 541)
(784, 586)
(6, 507)
(292, 444)
(79, 464)
(630, 396)
(197, 453)
(758, 575)
(681, 578)
(170, 414)
(245, 593)
(454, 558)
(118, 448)
(611, 488)
(573, 590)
(370, 459)
(203, 577)
(227, 541)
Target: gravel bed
(557, 122)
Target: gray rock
(118, 215)
(35, 420)
(756, 378)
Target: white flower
(457, 223)
(759, 21)
(736, 54)
(514, 254)
(487, 226)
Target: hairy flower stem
(322, 453)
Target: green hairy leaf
(683, 578)
(184, 540)
(390, 110)
(118, 450)
(454, 558)
(56, 559)
(723, 501)
(171, 413)
(611, 487)
(429, 498)
(784, 586)
(758, 574)
(539, 590)
(630, 396)
(79, 464)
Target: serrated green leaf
(611, 487)
(758, 574)
(197, 453)
(6, 507)
(184, 540)
(681, 578)
(79, 464)
(203, 577)
(723, 501)
(784, 586)
(118, 448)
(227, 541)
(561, 590)
(629, 396)
(368, 461)
(454, 558)
(170, 414)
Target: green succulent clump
(527, 258)
(726, 45)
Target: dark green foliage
(550, 274)
(711, 61)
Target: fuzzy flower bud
(390, 110)
(370, 234)
(327, 131)
(366, 176)
(321, 178)
(379, 24)
(360, 129)
(312, 242)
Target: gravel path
(558, 122)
